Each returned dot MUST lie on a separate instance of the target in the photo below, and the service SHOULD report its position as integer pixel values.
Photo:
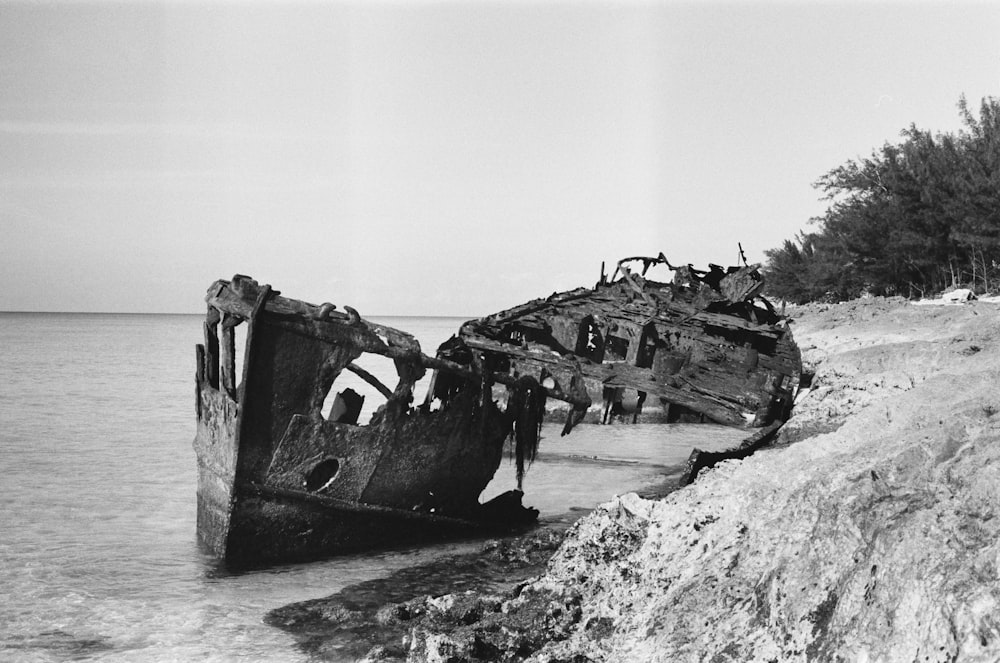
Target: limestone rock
(876, 541)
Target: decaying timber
(703, 345)
(280, 481)
(702, 460)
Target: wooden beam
(227, 356)
(370, 379)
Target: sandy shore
(869, 534)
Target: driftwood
(702, 460)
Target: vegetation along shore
(912, 219)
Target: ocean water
(98, 554)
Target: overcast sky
(439, 158)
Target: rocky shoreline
(868, 533)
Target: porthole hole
(321, 475)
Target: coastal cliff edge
(869, 533)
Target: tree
(912, 218)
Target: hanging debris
(526, 407)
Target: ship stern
(215, 446)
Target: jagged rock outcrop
(878, 540)
(373, 620)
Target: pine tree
(912, 218)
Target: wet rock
(537, 614)
(374, 620)
(381, 654)
(489, 629)
(529, 550)
(395, 613)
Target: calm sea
(98, 555)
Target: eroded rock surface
(374, 619)
(875, 541)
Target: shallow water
(98, 555)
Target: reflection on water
(98, 557)
(594, 462)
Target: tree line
(913, 219)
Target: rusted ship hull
(280, 479)
(273, 526)
(279, 482)
(279, 517)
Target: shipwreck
(280, 481)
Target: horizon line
(376, 315)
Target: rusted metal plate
(278, 481)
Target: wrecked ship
(280, 481)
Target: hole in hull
(353, 385)
(321, 475)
